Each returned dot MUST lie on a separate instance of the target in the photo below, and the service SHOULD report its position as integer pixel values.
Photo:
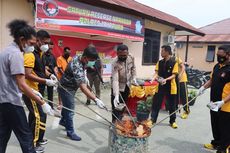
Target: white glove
(53, 77)
(116, 101)
(47, 109)
(99, 103)
(211, 106)
(50, 82)
(135, 82)
(215, 106)
(201, 90)
(37, 93)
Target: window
(210, 54)
(151, 47)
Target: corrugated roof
(154, 13)
(215, 32)
(141, 10)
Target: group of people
(27, 66)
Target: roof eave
(119, 8)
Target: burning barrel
(125, 137)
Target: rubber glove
(47, 109)
(201, 90)
(50, 82)
(99, 103)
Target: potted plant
(143, 109)
(191, 95)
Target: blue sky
(198, 13)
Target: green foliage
(192, 94)
(145, 106)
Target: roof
(215, 32)
(141, 10)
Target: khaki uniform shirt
(122, 74)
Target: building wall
(9, 10)
(25, 12)
(136, 48)
(197, 55)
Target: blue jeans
(67, 101)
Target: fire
(127, 128)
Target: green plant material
(145, 106)
(192, 94)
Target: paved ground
(188, 138)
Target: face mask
(66, 55)
(221, 59)
(91, 64)
(28, 49)
(44, 48)
(122, 58)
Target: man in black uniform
(220, 101)
(50, 64)
(166, 71)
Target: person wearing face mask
(50, 64)
(220, 101)
(123, 75)
(72, 79)
(62, 62)
(165, 73)
(36, 78)
(94, 70)
(12, 74)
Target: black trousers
(37, 119)
(42, 88)
(13, 118)
(224, 124)
(215, 128)
(157, 101)
(125, 96)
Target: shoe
(174, 125)
(184, 115)
(74, 136)
(39, 149)
(209, 146)
(87, 102)
(43, 142)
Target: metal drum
(123, 144)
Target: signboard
(70, 15)
(105, 49)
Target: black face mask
(66, 55)
(122, 58)
(221, 59)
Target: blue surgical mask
(91, 64)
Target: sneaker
(184, 115)
(174, 125)
(39, 149)
(43, 142)
(209, 146)
(74, 136)
(87, 102)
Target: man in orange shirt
(62, 62)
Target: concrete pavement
(188, 138)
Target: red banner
(70, 15)
(105, 49)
